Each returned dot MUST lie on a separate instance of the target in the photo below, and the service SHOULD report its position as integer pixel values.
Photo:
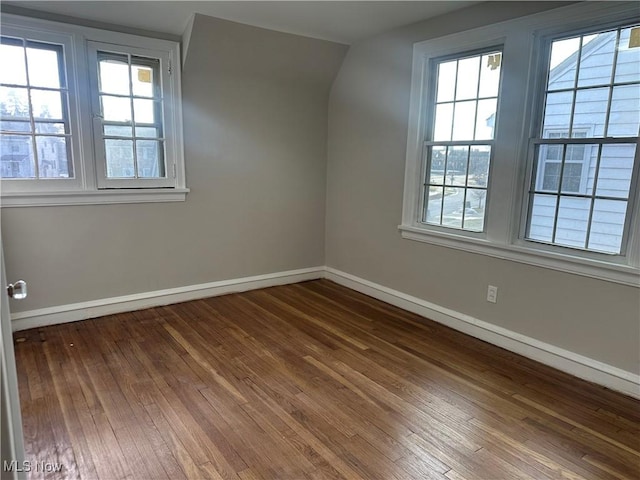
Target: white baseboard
(570, 362)
(564, 360)
(129, 303)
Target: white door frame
(12, 442)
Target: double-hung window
(88, 116)
(459, 145)
(592, 93)
(523, 141)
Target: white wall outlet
(492, 294)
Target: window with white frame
(590, 82)
(559, 175)
(34, 133)
(458, 147)
(88, 116)
(127, 93)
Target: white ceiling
(339, 21)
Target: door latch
(17, 290)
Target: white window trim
(84, 189)
(506, 212)
(49, 184)
(429, 142)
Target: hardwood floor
(307, 381)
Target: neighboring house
(16, 157)
(16, 154)
(16, 151)
(581, 160)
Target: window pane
(624, 118)
(551, 176)
(474, 209)
(446, 81)
(457, 166)
(564, 56)
(486, 118)
(464, 119)
(53, 159)
(116, 109)
(443, 121)
(579, 168)
(543, 211)
(114, 76)
(573, 220)
(479, 165)
(17, 159)
(143, 110)
(44, 70)
(14, 102)
(596, 64)
(53, 128)
(12, 60)
(490, 74)
(46, 104)
(557, 112)
(119, 155)
(616, 168)
(607, 225)
(15, 126)
(591, 110)
(438, 159)
(142, 80)
(571, 177)
(149, 132)
(552, 152)
(467, 81)
(452, 210)
(549, 162)
(434, 205)
(577, 152)
(118, 130)
(628, 63)
(150, 159)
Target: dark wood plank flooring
(307, 381)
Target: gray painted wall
(255, 112)
(368, 112)
(255, 121)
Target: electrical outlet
(492, 294)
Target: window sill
(93, 197)
(609, 271)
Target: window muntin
(460, 140)
(593, 84)
(130, 98)
(34, 130)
